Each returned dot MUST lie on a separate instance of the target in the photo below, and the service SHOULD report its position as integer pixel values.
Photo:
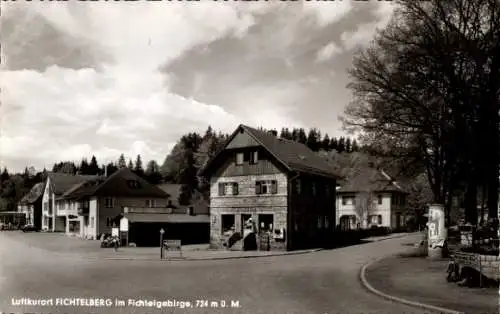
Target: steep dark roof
(293, 155)
(33, 195)
(370, 179)
(116, 184)
(61, 182)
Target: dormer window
(239, 159)
(254, 158)
(133, 184)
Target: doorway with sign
(266, 222)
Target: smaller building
(31, 205)
(144, 225)
(100, 203)
(371, 198)
(55, 210)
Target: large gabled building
(284, 188)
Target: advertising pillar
(437, 233)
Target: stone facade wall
(247, 202)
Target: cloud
(79, 80)
(364, 32)
(328, 52)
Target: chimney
(273, 132)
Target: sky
(104, 78)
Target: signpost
(161, 242)
(173, 245)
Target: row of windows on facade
(395, 200)
(251, 157)
(265, 223)
(108, 203)
(261, 187)
(353, 220)
(271, 187)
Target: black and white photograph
(274, 157)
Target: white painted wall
(45, 214)
(91, 228)
(383, 209)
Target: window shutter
(379, 219)
(254, 157)
(221, 189)
(274, 187)
(258, 187)
(235, 188)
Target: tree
(130, 164)
(301, 136)
(423, 88)
(364, 206)
(139, 170)
(341, 145)
(121, 162)
(84, 167)
(325, 145)
(354, 146)
(93, 168)
(313, 139)
(152, 172)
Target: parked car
(29, 228)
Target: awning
(169, 218)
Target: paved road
(321, 282)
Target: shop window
(227, 223)
(266, 222)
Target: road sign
(172, 245)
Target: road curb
(369, 287)
(179, 259)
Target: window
(266, 187)
(375, 219)
(379, 199)
(313, 188)
(254, 158)
(228, 188)
(297, 186)
(239, 158)
(133, 184)
(327, 222)
(320, 222)
(108, 202)
(347, 200)
(169, 203)
(266, 222)
(150, 203)
(227, 223)
(110, 222)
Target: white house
(94, 206)
(55, 211)
(371, 198)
